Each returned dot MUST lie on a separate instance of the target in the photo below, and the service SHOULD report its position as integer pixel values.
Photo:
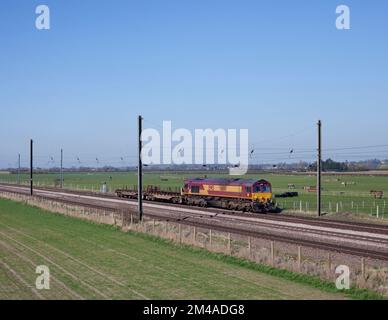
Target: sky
(273, 67)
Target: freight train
(233, 194)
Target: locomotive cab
(262, 191)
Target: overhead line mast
(319, 170)
(31, 167)
(140, 170)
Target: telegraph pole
(19, 169)
(140, 171)
(319, 170)
(61, 177)
(31, 167)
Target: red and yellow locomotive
(234, 194)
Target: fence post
(229, 246)
(377, 211)
(301, 206)
(250, 247)
(299, 258)
(210, 238)
(273, 253)
(153, 226)
(363, 268)
(337, 209)
(329, 264)
(180, 233)
(195, 234)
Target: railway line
(352, 238)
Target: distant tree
(331, 165)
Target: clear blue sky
(274, 67)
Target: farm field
(91, 261)
(353, 197)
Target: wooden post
(229, 246)
(165, 227)
(250, 247)
(299, 258)
(210, 238)
(329, 264)
(153, 225)
(180, 233)
(363, 268)
(131, 220)
(195, 234)
(273, 253)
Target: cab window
(262, 188)
(248, 189)
(194, 189)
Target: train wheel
(203, 204)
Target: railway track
(321, 222)
(350, 238)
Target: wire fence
(373, 208)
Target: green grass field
(90, 261)
(354, 197)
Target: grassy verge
(101, 262)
